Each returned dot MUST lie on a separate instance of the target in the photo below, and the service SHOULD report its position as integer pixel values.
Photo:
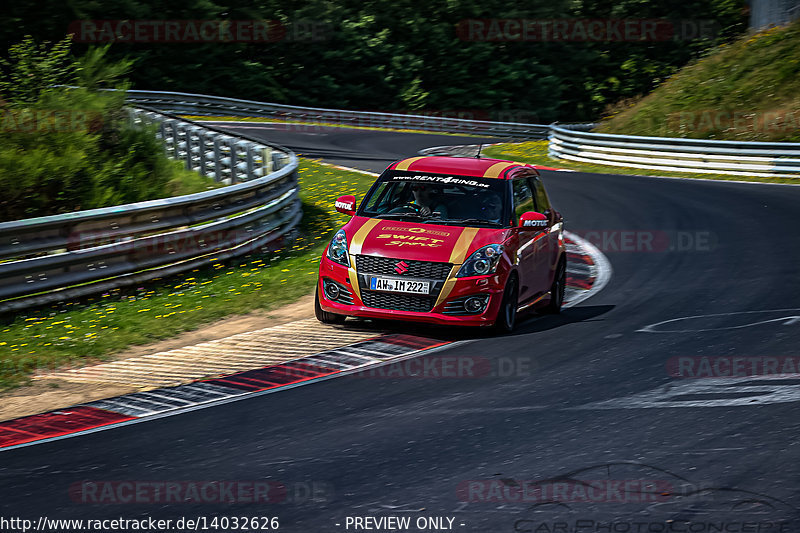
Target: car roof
(462, 166)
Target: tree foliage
(32, 69)
(64, 149)
(395, 55)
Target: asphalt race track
(369, 150)
(579, 426)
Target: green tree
(64, 144)
(33, 69)
(386, 54)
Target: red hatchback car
(446, 240)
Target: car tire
(557, 289)
(507, 314)
(324, 316)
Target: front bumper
(454, 290)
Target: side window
(542, 202)
(378, 201)
(523, 198)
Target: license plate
(399, 285)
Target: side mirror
(533, 220)
(346, 204)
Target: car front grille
(398, 301)
(385, 266)
(436, 273)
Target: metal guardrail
(204, 105)
(763, 159)
(66, 256)
(219, 154)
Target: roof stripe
(405, 163)
(496, 170)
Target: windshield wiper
(472, 221)
(402, 215)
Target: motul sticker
(534, 223)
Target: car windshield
(437, 198)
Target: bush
(64, 148)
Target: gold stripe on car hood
(355, 248)
(457, 257)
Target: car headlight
(482, 261)
(337, 249)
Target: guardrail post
(217, 159)
(184, 146)
(250, 161)
(233, 157)
(266, 160)
(202, 151)
(162, 128)
(277, 161)
(175, 136)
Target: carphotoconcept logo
(696, 525)
(663, 498)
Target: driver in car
(491, 207)
(429, 198)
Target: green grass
(94, 328)
(188, 182)
(748, 90)
(535, 152)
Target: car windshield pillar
(447, 199)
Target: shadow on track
(528, 323)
